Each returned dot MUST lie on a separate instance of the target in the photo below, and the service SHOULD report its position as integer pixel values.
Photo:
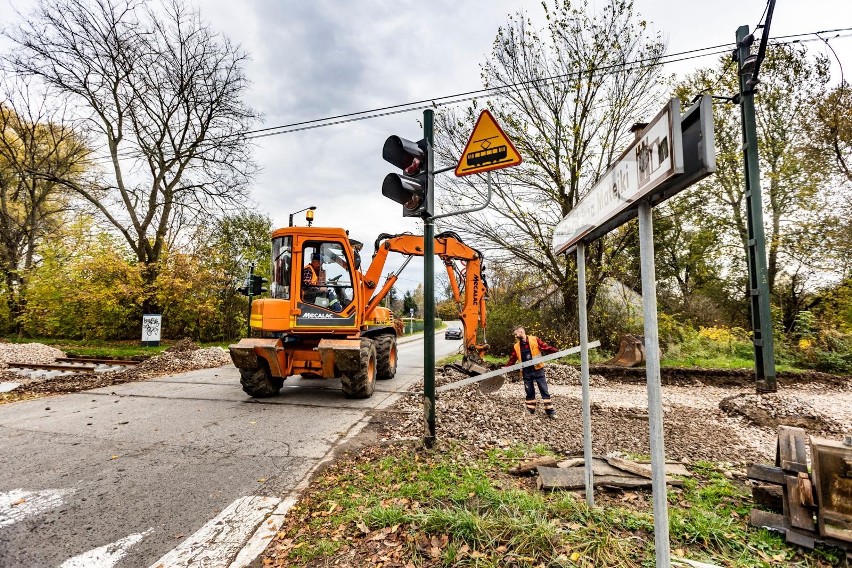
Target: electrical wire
(449, 100)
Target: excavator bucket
(631, 351)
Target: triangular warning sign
(487, 149)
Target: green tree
(35, 144)
(408, 304)
(161, 94)
(792, 183)
(567, 97)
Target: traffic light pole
(761, 316)
(429, 290)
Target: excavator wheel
(362, 383)
(259, 382)
(386, 357)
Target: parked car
(453, 333)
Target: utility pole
(761, 315)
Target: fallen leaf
(680, 552)
(575, 556)
(362, 527)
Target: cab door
(326, 286)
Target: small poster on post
(151, 325)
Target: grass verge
(403, 506)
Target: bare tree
(36, 146)
(162, 92)
(567, 97)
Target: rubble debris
(529, 466)
(619, 473)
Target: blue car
(453, 333)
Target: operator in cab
(313, 285)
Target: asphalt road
(173, 471)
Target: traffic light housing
(257, 285)
(244, 289)
(411, 188)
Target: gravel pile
(499, 420)
(772, 410)
(164, 364)
(181, 361)
(34, 353)
(185, 345)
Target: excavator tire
(386, 357)
(259, 382)
(362, 383)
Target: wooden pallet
(787, 489)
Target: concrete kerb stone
(273, 523)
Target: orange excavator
(323, 317)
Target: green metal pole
(429, 293)
(761, 316)
(250, 296)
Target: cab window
(281, 267)
(326, 276)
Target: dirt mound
(772, 410)
(185, 345)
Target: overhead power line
(453, 99)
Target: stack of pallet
(807, 506)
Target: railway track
(85, 365)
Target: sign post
(668, 155)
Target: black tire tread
(259, 383)
(359, 384)
(385, 346)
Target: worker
(528, 347)
(313, 284)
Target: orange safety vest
(314, 277)
(534, 351)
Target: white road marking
(214, 544)
(18, 504)
(105, 556)
(7, 387)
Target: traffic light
(411, 188)
(257, 285)
(244, 289)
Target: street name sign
(488, 148)
(655, 156)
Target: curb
(267, 529)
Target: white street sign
(654, 157)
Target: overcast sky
(313, 59)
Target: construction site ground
(713, 422)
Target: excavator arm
(450, 248)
